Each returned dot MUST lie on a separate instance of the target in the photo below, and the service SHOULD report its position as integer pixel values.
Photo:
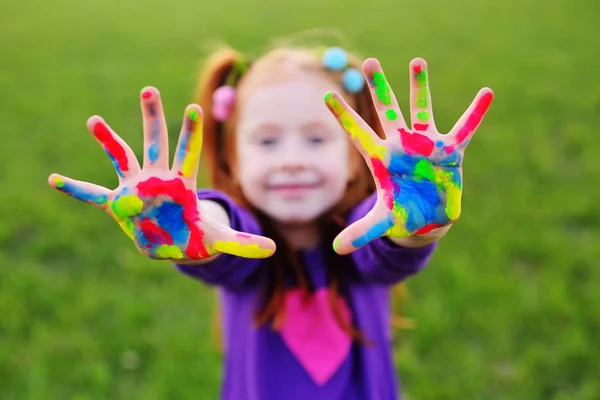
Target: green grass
(508, 307)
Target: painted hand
(157, 207)
(418, 171)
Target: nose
(293, 159)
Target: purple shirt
(258, 363)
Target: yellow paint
(453, 194)
(242, 250)
(351, 125)
(190, 162)
(167, 251)
(399, 229)
(58, 182)
(127, 227)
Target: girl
(312, 319)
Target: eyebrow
(320, 126)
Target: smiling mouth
(294, 189)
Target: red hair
(219, 156)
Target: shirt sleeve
(227, 270)
(382, 261)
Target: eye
(316, 139)
(267, 142)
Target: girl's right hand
(157, 207)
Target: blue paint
(374, 232)
(420, 200)
(116, 165)
(154, 149)
(402, 164)
(182, 149)
(152, 109)
(169, 216)
(153, 152)
(439, 143)
(83, 195)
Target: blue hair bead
(335, 59)
(353, 80)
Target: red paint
(176, 189)
(154, 233)
(428, 228)
(111, 145)
(146, 95)
(417, 69)
(421, 127)
(415, 143)
(382, 174)
(474, 118)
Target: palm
(418, 171)
(155, 205)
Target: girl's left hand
(418, 171)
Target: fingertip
(341, 247)
(149, 92)
(55, 180)
(93, 121)
(194, 112)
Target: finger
(385, 102)
(243, 244)
(366, 141)
(465, 128)
(121, 155)
(372, 226)
(83, 191)
(189, 147)
(421, 113)
(156, 141)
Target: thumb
(242, 244)
(372, 226)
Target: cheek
(250, 166)
(337, 168)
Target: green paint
(382, 88)
(328, 97)
(423, 115)
(424, 169)
(193, 115)
(421, 78)
(391, 115)
(422, 98)
(127, 206)
(336, 244)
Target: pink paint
(474, 118)
(243, 235)
(415, 143)
(382, 174)
(154, 233)
(421, 127)
(176, 189)
(449, 149)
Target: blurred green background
(508, 307)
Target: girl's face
(293, 157)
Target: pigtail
(221, 69)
